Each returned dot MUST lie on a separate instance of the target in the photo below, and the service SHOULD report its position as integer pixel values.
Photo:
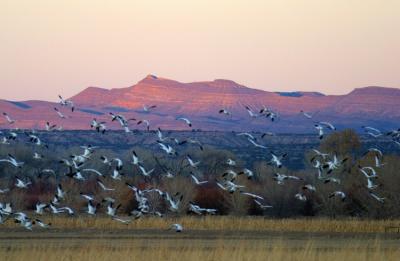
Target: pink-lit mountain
(201, 101)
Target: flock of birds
(324, 163)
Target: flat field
(210, 238)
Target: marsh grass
(224, 223)
(243, 250)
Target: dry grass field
(207, 238)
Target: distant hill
(201, 101)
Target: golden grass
(243, 250)
(224, 223)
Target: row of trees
(346, 144)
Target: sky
(63, 46)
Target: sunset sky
(51, 47)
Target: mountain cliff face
(201, 101)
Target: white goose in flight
(229, 186)
(112, 211)
(105, 160)
(146, 122)
(116, 175)
(13, 161)
(98, 126)
(66, 103)
(167, 148)
(256, 144)
(42, 224)
(135, 158)
(145, 172)
(186, 120)
(91, 209)
(248, 135)
(300, 197)
(8, 118)
(192, 163)
(50, 127)
(177, 227)
(327, 124)
(277, 160)
(199, 210)
(378, 198)
(320, 130)
(60, 114)
(160, 135)
(60, 193)
(339, 194)
(262, 206)
(254, 196)
(87, 196)
(5, 190)
(306, 114)
(197, 182)
(103, 187)
(37, 156)
(225, 111)
(6, 209)
(309, 187)
(98, 173)
(231, 162)
(148, 108)
(249, 174)
(251, 113)
(22, 184)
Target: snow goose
(148, 108)
(248, 135)
(135, 158)
(231, 162)
(98, 126)
(225, 111)
(60, 192)
(192, 163)
(185, 120)
(50, 127)
(262, 206)
(145, 172)
(98, 173)
(42, 224)
(146, 122)
(378, 198)
(103, 187)
(87, 196)
(339, 194)
(277, 160)
(5, 190)
(251, 113)
(91, 208)
(249, 174)
(309, 187)
(256, 144)
(177, 227)
(196, 181)
(254, 196)
(167, 148)
(66, 103)
(112, 211)
(13, 161)
(300, 197)
(306, 114)
(8, 118)
(22, 184)
(160, 135)
(60, 114)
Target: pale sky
(63, 46)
